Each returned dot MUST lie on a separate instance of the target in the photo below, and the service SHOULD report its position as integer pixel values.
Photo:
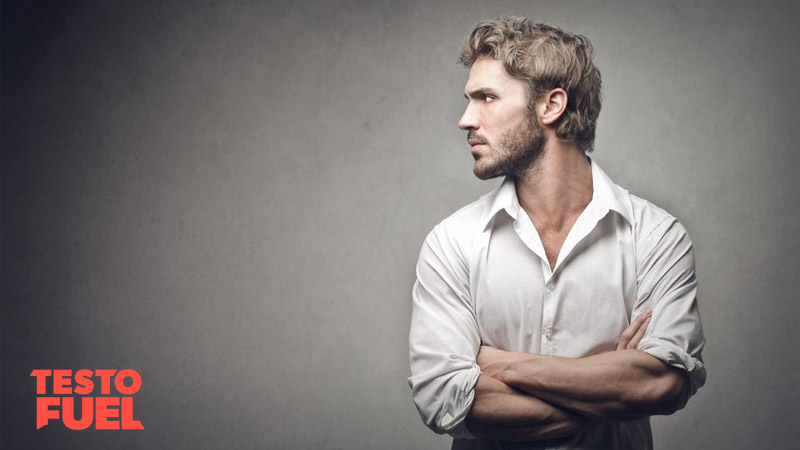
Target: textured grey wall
(231, 196)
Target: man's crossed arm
(522, 396)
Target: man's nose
(469, 120)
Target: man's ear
(551, 106)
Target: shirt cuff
(454, 425)
(675, 356)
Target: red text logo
(105, 413)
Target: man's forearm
(619, 385)
(501, 412)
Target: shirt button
(551, 286)
(548, 333)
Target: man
(558, 311)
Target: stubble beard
(516, 152)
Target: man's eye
(489, 98)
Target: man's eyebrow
(479, 92)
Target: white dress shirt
(483, 278)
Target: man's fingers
(630, 333)
(634, 342)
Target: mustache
(473, 138)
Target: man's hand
(632, 335)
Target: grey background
(230, 197)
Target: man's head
(529, 61)
(505, 136)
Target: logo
(104, 413)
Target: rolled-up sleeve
(667, 284)
(443, 339)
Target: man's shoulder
(646, 213)
(652, 224)
(643, 216)
(471, 217)
(463, 225)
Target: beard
(517, 151)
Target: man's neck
(557, 188)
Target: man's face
(504, 135)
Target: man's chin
(485, 173)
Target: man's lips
(475, 144)
(473, 140)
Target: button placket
(548, 316)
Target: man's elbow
(666, 393)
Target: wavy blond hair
(544, 57)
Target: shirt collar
(505, 198)
(607, 196)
